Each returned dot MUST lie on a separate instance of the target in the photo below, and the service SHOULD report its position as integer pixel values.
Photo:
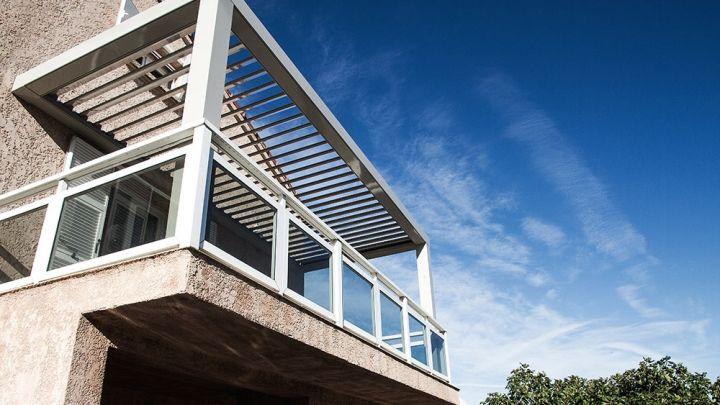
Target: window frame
(397, 299)
(298, 298)
(421, 318)
(225, 257)
(370, 278)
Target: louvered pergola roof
(128, 84)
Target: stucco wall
(180, 310)
(37, 336)
(32, 145)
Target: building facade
(183, 220)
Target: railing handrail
(120, 156)
(275, 187)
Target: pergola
(212, 61)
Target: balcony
(195, 131)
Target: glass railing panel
(357, 299)
(309, 267)
(418, 351)
(19, 237)
(437, 347)
(240, 222)
(122, 214)
(391, 322)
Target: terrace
(195, 130)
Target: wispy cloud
(603, 224)
(544, 232)
(630, 294)
(440, 176)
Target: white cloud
(544, 232)
(630, 294)
(492, 332)
(603, 225)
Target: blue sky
(562, 157)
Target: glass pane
(134, 210)
(240, 222)
(417, 340)
(19, 237)
(391, 322)
(357, 300)
(309, 268)
(437, 345)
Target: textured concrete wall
(183, 312)
(39, 324)
(33, 145)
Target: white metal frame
(370, 278)
(199, 129)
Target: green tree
(652, 382)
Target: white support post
(447, 356)
(203, 102)
(337, 293)
(427, 297)
(428, 349)
(406, 328)
(194, 190)
(377, 324)
(282, 237)
(206, 79)
(48, 232)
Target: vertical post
(203, 102)
(377, 320)
(427, 298)
(194, 190)
(428, 349)
(406, 328)
(447, 356)
(206, 79)
(48, 232)
(337, 293)
(282, 241)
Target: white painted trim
(125, 172)
(376, 308)
(25, 208)
(15, 284)
(206, 79)
(232, 170)
(238, 265)
(46, 241)
(103, 39)
(425, 282)
(359, 332)
(312, 233)
(110, 259)
(308, 304)
(406, 328)
(337, 281)
(281, 243)
(144, 148)
(194, 190)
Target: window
(309, 268)
(418, 350)
(19, 237)
(240, 222)
(357, 299)
(391, 323)
(124, 213)
(437, 346)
